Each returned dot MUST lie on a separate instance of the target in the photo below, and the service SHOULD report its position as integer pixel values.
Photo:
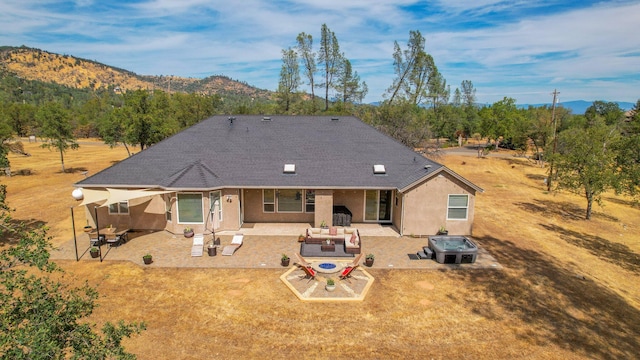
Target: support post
(95, 212)
(73, 227)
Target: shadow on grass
(629, 203)
(561, 308)
(615, 253)
(11, 237)
(565, 209)
(73, 170)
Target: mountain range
(77, 73)
(38, 65)
(579, 107)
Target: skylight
(379, 169)
(289, 168)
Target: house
(226, 171)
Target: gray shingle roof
(251, 152)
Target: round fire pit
(326, 267)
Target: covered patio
(263, 246)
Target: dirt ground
(569, 287)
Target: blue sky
(587, 50)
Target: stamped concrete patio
(263, 246)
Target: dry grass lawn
(569, 288)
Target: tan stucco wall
(425, 207)
(253, 210)
(324, 208)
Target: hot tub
(453, 249)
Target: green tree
(585, 161)
(330, 59)
(289, 79)
(308, 58)
(56, 129)
(350, 88)
(609, 111)
(414, 70)
(628, 154)
(42, 317)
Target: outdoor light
(77, 194)
(228, 198)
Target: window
(190, 208)
(289, 200)
(268, 200)
(310, 201)
(457, 207)
(120, 208)
(216, 204)
(378, 205)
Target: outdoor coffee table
(331, 246)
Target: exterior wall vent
(335, 119)
(379, 170)
(289, 168)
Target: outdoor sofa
(347, 236)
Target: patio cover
(112, 196)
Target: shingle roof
(251, 152)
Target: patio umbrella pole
(73, 226)
(95, 211)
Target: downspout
(402, 217)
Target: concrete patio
(263, 246)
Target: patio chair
(112, 239)
(236, 242)
(198, 245)
(346, 273)
(355, 261)
(301, 261)
(309, 273)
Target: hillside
(78, 73)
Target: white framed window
(215, 199)
(190, 208)
(309, 201)
(458, 207)
(268, 200)
(119, 208)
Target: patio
(262, 248)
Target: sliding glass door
(378, 205)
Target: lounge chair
(346, 272)
(309, 273)
(236, 242)
(301, 261)
(198, 244)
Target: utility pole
(555, 136)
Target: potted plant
(211, 249)
(368, 260)
(147, 258)
(301, 238)
(443, 231)
(323, 224)
(284, 260)
(88, 228)
(95, 252)
(331, 285)
(188, 232)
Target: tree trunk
(62, 159)
(589, 206)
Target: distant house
(226, 171)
